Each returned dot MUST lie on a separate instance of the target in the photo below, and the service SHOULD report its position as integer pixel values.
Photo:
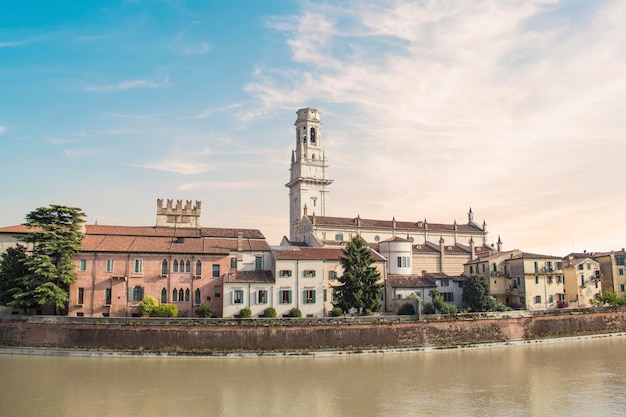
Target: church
(434, 247)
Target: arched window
(163, 296)
(304, 135)
(196, 297)
(175, 266)
(187, 266)
(312, 135)
(138, 293)
(174, 295)
(198, 268)
(187, 294)
(164, 267)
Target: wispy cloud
(212, 110)
(2, 129)
(78, 153)
(460, 98)
(22, 42)
(210, 185)
(199, 49)
(181, 162)
(58, 141)
(129, 85)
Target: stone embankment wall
(218, 336)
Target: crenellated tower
(187, 217)
(308, 184)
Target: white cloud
(129, 85)
(431, 106)
(210, 185)
(80, 152)
(2, 129)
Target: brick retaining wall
(263, 335)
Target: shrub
(295, 312)
(165, 310)
(148, 304)
(269, 312)
(429, 308)
(406, 309)
(336, 312)
(245, 313)
(205, 310)
(503, 307)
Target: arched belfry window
(312, 135)
(198, 268)
(304, 135)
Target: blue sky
(514, 108)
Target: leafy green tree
(164, 310)
(55, 235)
(406, 309)
(476, 294)
(360, 287)
(611, 298)
(441, 306)
(13, 276)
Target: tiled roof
(309, 253)
(526, 255)
(388, 224)
(249, 276)
(410, 281)
(163, 239)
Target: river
(578, 377)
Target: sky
(514, 108)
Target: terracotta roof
(400, 225)
(410, 281)
(396, 239)
(309, 253)
(249, 276)
(526, 255)
(163, 239)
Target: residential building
(506, 289)
(612, 267)
(540, 280)
(582, 280)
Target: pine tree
(360, 287)
(55, 236)
(13, 276)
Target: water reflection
(574, 378)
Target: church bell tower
(308, 184)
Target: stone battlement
(187, 216)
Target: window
(445, 282)
(308, 273)
(187, 266)
(471, 270)
(216, 271)
(308, 296)
(620, 271)
(135, 293)
(312, 135)
(187, 295)
(619, 260)
(537, 299)
(460, 284)
(404, 262)
(198, 268)
(174, 295)
(284, 296)
(261, 297)
(80, 314)
(339, 237)
(285, 273)
(551, 299)
(163, 296)
(549, 279)
(109, 266)
(332, 274)
(536, 280)
(81, 296)
(448, 297)
(582, 280)
(82, 266)
(138, 268)
(376, 238)
(536, 266)
(238, 297)
(175, 266)
(218, 291)
(549, 266)
(164, 268)
(495, 267)
(233, 263)
(580, 267)
(107, 296)
(325, 295)
(197, 297)
(258, 263)
(588, 266)
(558, 265)
(621, 287)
